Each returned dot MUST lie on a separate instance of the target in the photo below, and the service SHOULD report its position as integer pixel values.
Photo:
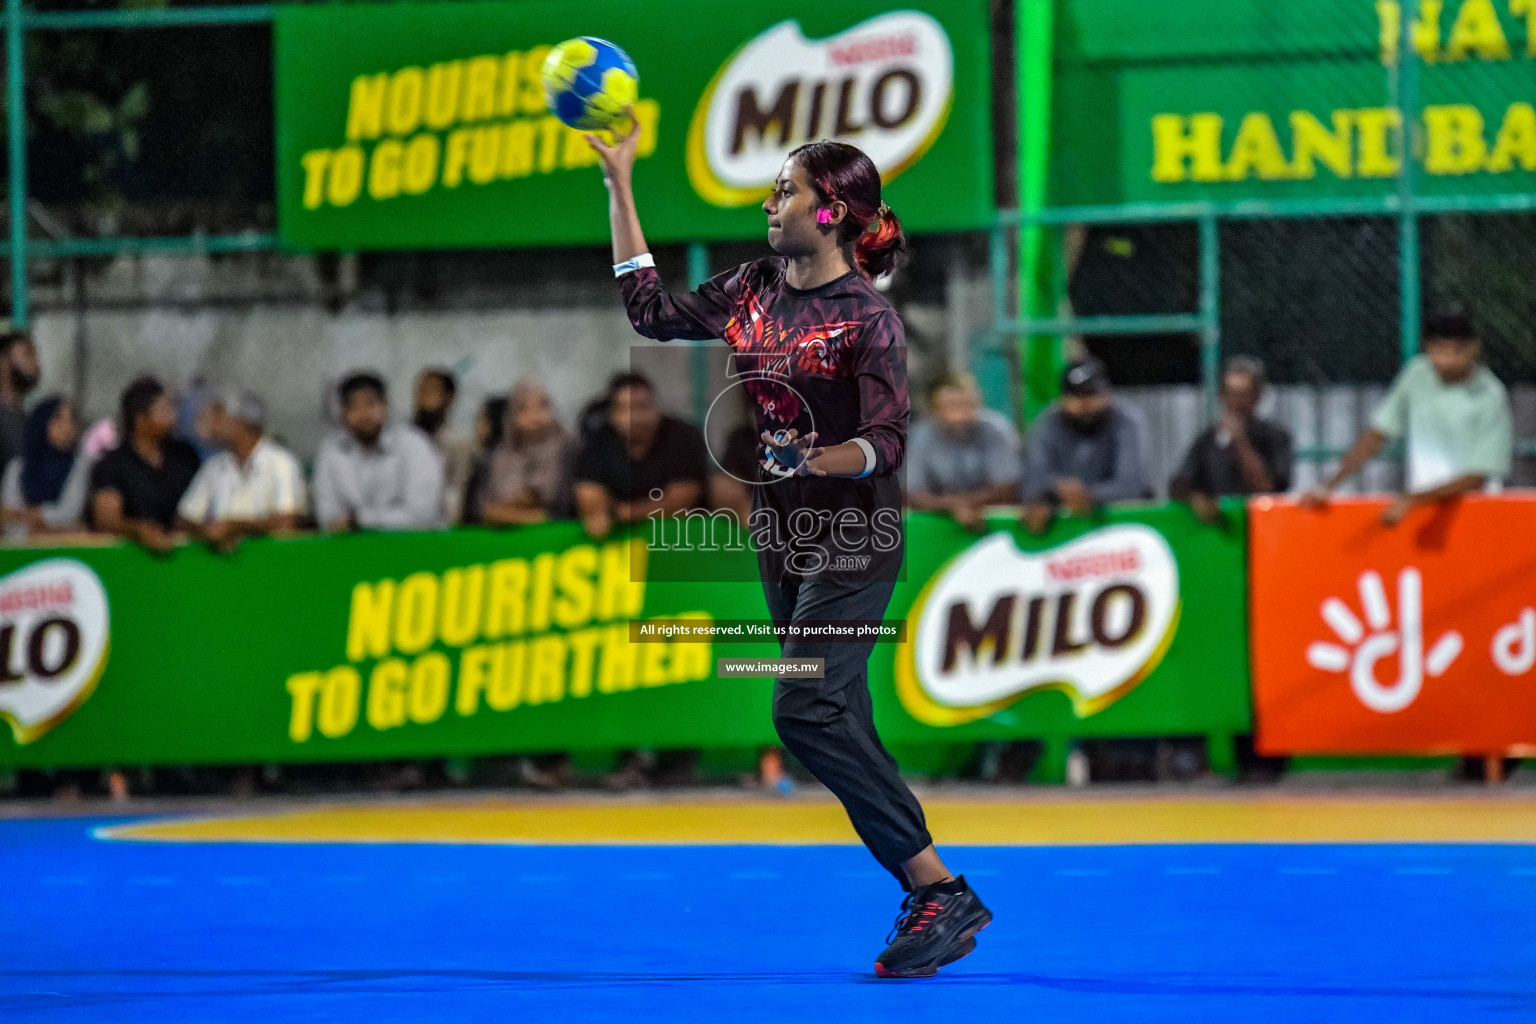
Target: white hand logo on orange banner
(1361, 652)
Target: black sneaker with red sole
(937, 926)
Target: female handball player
(823, 356)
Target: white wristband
(869, 457)
(645, 259)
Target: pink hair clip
(823, 216)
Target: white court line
(1191, 871)
(1309, 871)
(1422, 871)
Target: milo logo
(885, 85)
(1090, 618)
(54, 631)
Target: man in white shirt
(252, 488)
(376, 475)
(1454, 414)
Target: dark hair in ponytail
(843, 173)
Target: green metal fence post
(16, 133)
(698, 273)
(1040, 354)
(997, 266)
(1408, 214)
(1408, 275)
(1210, 311)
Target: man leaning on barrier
(1084, 450)
(253, 487)
(962, 457)
(1240, 453)
(136, 487)
(1453, 414)
(374, 474)
(639, 461)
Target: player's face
(791, 209)
(1452, 358)
(364, 415)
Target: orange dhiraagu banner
(1415, 639)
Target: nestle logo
(874, 49)
(1105, 563)
(47, 595)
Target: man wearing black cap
(1084, 450)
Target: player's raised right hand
(619, 157)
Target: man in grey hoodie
(1084, 450)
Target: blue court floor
(197, 933)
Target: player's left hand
(789, 454)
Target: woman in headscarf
(525, 481)
(490, 423)
(44, 489)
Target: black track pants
(829, 723)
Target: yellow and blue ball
(589, 82)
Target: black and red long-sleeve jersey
(832, 360)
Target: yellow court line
(953, 822)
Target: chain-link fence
(1299, 182)
(1317, 299)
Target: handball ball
(589, 82)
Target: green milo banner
(472, 642)
(417, 125)
(1239, 99)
